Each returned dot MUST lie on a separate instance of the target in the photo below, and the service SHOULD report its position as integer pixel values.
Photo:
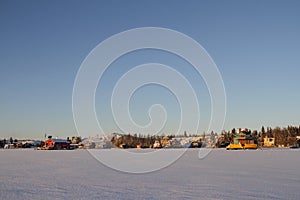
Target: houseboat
(242, 141)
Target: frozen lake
(258, 174)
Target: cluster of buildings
(242, 140)
(102, 142)
(16, 144)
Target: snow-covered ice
(257, 174)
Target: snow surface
(75, 174)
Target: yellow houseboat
(242, 141)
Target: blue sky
(255, 45)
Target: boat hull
(234, 147)
(239, 146)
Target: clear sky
(255, 44)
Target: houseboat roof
(243, 137)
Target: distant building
(56, 144)
(156, 144)
(165, 142)
(269, 142)
(297, 144)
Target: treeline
(286, 136)
(10, 141)
(133, 141)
